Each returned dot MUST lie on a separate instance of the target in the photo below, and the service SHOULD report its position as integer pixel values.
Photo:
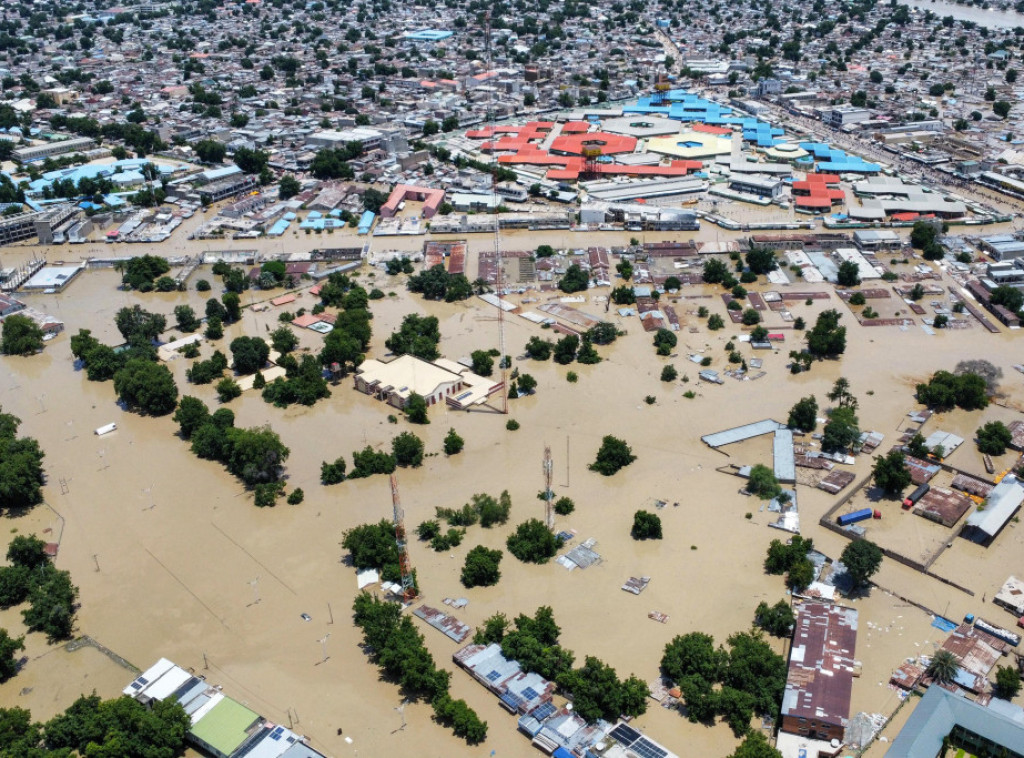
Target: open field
(177, 541)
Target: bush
(228, 389)
(481, 567)
(646, 526)
(613, 455)
(296, 496)
(993, 438)
(453, 443)
(266, 494)
(572, 377)
(332, 473)
(512, 425)
(664, 341)
(669, 373)
(532, 542)
(762, 482)
(777, 619)
(416, 409)
(407, 449)
(564, 506)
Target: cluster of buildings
(221, 726)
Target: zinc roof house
(971, 726)
(1004, 501)
(816, 702)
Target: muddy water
(179, 543)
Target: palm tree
(943, 667)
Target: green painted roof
(223, 728)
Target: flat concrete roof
(53, 277)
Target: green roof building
(224, 728)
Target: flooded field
(173, 559)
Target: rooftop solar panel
(542, 712)
(493, 676)
(529, 693)
(625, 735)
(644, 748)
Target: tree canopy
(891, 473)
(532, 542)
(945, 391)
(614, 454)
(574, 280)
(418, 335)
(481, 568)
(804, 414)
(646, 526)
(146, 387)
(21, 336)
(862, 559)
(21, 467)
(827, 339)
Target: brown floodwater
(178, 543)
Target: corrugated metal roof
(740, 433)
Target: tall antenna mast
(499, 284)
(404, 564)
(549, 513)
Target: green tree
(481, 568)
(841, 430)
(453, 443)
(21, 469)
(603, 334)
(1001, 108)
(891, 473)
(228, 389)
(994, 437)
(761, 260)
(416, 409)
(1007, 682)
(943, 666)
(532, 542)
(418, 336)
(185, 318)
(646, 526)
(574, 280)
(945, 391)
(483, 363)
(250, 354)
(288, 187)
(146, 387)
(715, 271)
(827, 339)
(255, 456)
(777, 620)
(715, 322)
(27, 551)
(762, 482)
(137, 323)
(613, 455)
(407, 449)
(804, 414)
(210, 151)
(191, 414)
(565, 349)
(142, 271)
(862, 559)
(9, 647)
(755, 744)
(283, 340)
(21, 336)
(332, 473)
(750, 317)
(669, 373)
(693, 655)
(52, 601)
(665, 341)
(538, 349)
(849, 274)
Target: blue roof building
(995, 730)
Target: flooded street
(166, 548)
